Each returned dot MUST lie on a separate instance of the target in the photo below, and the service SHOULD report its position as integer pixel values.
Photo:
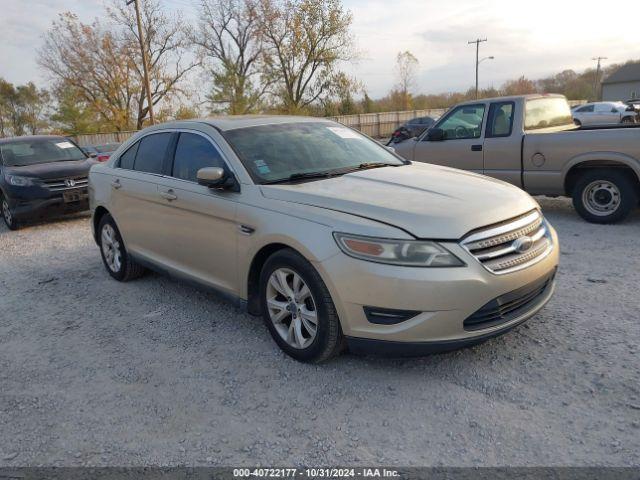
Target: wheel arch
(98, 213)
(591, 161)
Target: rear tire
(115, 257)
(7, 214)
(291, 291)
(577, 122)
(605, 196)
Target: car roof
(26, 138)
(233, 122)
(530, 96)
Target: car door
(201, 222)
(585, 114)
(136, 205)
(500, 143)
(461, 145)
(605, 113)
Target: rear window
(42, 150)
(547, 112)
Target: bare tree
(229, 42)
(406, 66)
(95, 64)
(304, 41)
(166, 42)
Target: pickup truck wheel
(297, 308)
(7, 214)
(116, 260)
(602, 196)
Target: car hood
(427, 201)
(45, 171)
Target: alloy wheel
(111, 248)
(292, 308)
(6, 212)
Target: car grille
(512, 245)
(61, 184)
(509, 306)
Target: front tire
(297, 308)
(7, 215)
(628, 120)
(605, 196)
(115, 257)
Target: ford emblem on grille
(522, 244)
(70, 182)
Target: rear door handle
(168, 195)
(476, 148)
(116, 184)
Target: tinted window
(588, 108)
(127, 158)
(193, 153)
(151, 153)
(463, 122)
(500, 119)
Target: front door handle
(476, 148)
(116, 184)
(168, 195)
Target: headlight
(19, 181)
(410, 253)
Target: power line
(477, 41)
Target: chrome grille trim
(496, 247)
(58, 184)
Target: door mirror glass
(435, 135)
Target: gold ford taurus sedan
(330, 236)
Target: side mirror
(435, 135)
(216, 177)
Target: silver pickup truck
(531, 141)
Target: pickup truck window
(500, 120)
(463, 122)
(547, 112)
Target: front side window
(500, 120)
(32, 151)
(547, 112)
(463, 122)
(278, 151)
(151, 153)
(194, 152)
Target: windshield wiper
(304, 176)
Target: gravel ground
(95, 372)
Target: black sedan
(413, 128)
(40, 176)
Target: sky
(533, 38)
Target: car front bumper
(25, 208)
(442, 298)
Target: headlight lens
(411, 253)
(19, 181)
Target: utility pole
(597, 79)
(143, 51)
(477, 42)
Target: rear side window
(588, 108)
(128, 157)
(500, 119)
(194, 152)
(151, 153)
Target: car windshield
(33, 151)
(277, 152)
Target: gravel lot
(94, 372)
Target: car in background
(413, 128)
(102, 153)
(41, 176)
(603, 113)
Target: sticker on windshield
(262, 166)
(344, 132)
(64, 145)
